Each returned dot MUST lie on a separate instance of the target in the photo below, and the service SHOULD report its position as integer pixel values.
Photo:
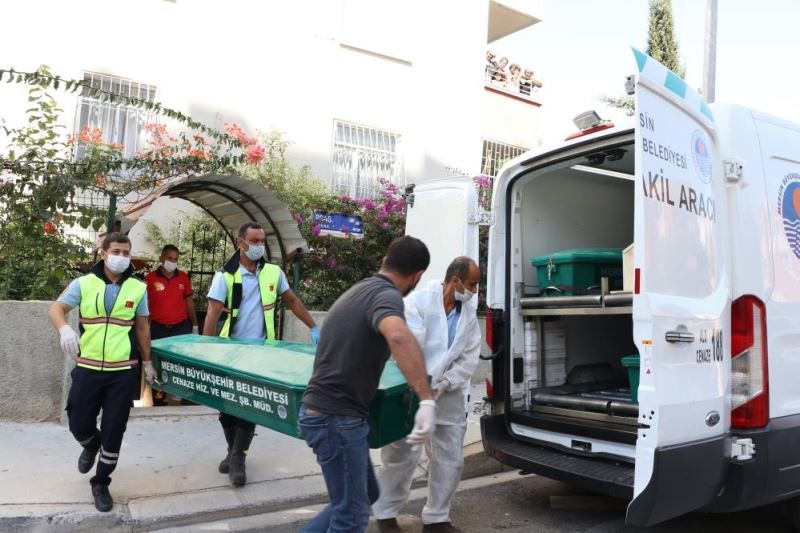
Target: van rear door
(681, 310)
(443, 213)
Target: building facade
(363, 89)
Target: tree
(661, 43)
(42, 170)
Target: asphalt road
(536, 504)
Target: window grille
(495, 155)
(361, 156)
(120, 124)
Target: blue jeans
(340, 444)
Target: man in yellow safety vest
(114, 331)
(244, 297)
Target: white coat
(445, 449)
(425, 316)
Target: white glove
(150, 374)
(424, 422)
(440, 388)
(195, 330)
(69, 341)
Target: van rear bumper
(614, 478)
(685, 477)
(772, 475)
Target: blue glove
(315, 335)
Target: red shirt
(166, 297)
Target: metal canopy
(232, 200)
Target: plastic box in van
(631, 362)
(578, 271)
(263, 382)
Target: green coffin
(263, 382)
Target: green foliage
(41, 175)
(333, 264)
(294, 186)
(36, 257)
(626, 103)
(661, 43)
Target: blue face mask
(255, 252)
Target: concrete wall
(33, 369)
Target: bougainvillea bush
(43, 170)
(334, 264)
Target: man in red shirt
(169, 293)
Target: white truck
(710, 198)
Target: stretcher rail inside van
(596, 300)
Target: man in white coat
(443, 318)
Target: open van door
(681, 302)
(444, 214)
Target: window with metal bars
(495, 155)
(361, 156)
(120, 124)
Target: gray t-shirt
(351, 352)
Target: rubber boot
(241, 443)
(230, 432)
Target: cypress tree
(661, 43)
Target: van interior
(569, 378)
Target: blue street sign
(339, 224)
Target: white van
(710, 198)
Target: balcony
(510, 16)
(523, 88)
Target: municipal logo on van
(701, 156)
(789, 202)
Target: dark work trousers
(91, 392)
(230, 421)
(162, 331)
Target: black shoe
(388, 525)
(103, 501)
(446, 527)
(86, 460)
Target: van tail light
(749, 377)
(489, 389)
(490, 328)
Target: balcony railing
(501, 81)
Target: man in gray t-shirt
(362, 328)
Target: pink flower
(315, 230)
(255, 154)
(369, 205)
(298, 219)
(331, 262)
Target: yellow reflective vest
(268, 278)
(107, 339)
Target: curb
(188, 508)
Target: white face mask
(465, 296)
(117, 264)
(255, 252)
(170, 266)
